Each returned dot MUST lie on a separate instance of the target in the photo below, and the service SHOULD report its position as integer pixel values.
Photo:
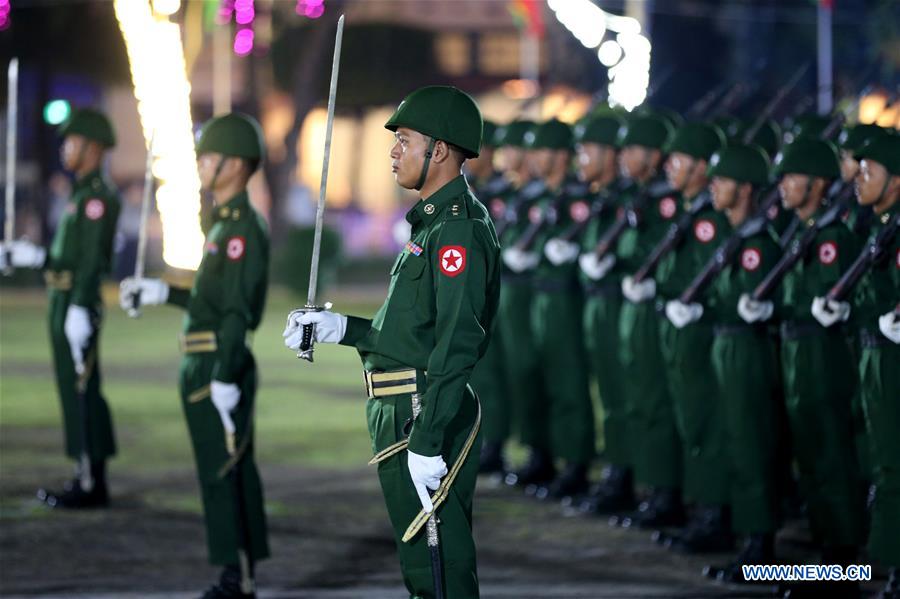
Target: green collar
(235, 208)
(92, 179)
(428, 209)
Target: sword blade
(323, 185)
(140, 259)
(12, 115)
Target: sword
(431, 528)
(12, 113)
(306, 345)
(135, 310)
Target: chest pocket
(407, 274)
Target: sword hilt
(135, 310)
(307, 343)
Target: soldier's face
(509, 158)
(849, 166)
(724, 193)
(634, 161)
(870, 182)
(207, 164)
(592, 160)
(793, 189)
(70, 153)
(541, 162)
(408, 157)
(678, 169)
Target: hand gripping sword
(306, 345)
(12, 116)
(135, 310)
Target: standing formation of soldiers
(733, 296)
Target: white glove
(681, 315)
(593, 268)
(24, 254)
(519, 261)
(828, 312)
(638, 292)
(752, 311)
(889, 325)
(78, 331)
(426, 473)
(153, 292)
(225, 396)
(330, 327)
(560, 252)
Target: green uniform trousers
(556, 318)
(601, 334)
(656, 448)
(819, 381)
(387, 419)
(880, 382)
(528, 406)
(489, 382)
(746, 369)
(232, 497)
(698, 410)
(96, 424)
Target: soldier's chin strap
(212, 184)
(428, 153)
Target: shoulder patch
(667, 207)
(751, 258)
(579, 211)
(704, 230)
(212, 248)
(235, 248)
(94, 209)
(828, 252)
(452, 260)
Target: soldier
(556, 312)
(686, 351)
(597, 150)
(426, 338)
(79, 257)
(744, 357)
(489, 379)
(875, 311)
(817, 362)
(218, 377)
(851, 140)
(657, 448)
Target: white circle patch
(828, 252)
(580, 211)
(667, 207)
(235, 248)
(94, 209)
(704, 230)
(751, 259)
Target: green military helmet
(699, 140)
(553, 135)
(599, 129)
(233, 134)
(444, 113)
(743, 163)
(672, 117)
(513, 134)
(807, 156)
(767, 136)
(648, 131)
(885, 150)
(730, 125)
(807, 125)
(489, 134)
(855, 137)
(91, 124)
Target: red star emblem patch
(94, 209)
(828, 252)
(452, 260)
(751, 259)
(667, 207)
(704, 230)
(579, 211)
(235, 248)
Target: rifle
(631, 217)
(774, 103)
(703, 104)
(725, 252)
(800, 247)
(598, 207)
(873, 253)
(529, 191)
(672, 239)
(549, 217)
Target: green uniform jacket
(564, 210)
(440, 306)
(607, 205)
(879, 289)
(654, 217)
(83, 243)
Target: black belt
(515, 278)
(551, 286)
(871, 339)
(601, 288)
(721, 330)
(798, 329)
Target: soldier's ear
(893, 186)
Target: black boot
(573, 481)
(82, 492)
(491, 459)
(614, 493)
(537, 470)
(231, 586)
(709, 531)
(759, 549)
(663, 508)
